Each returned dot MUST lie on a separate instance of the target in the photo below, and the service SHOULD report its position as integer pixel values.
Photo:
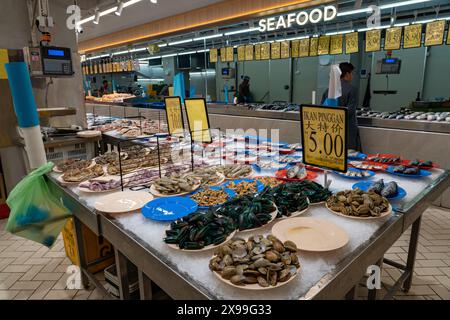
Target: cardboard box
(99, 253)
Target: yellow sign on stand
(198, 120)
(324, 137)
(174, 115)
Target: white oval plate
(121, 202)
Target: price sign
(434, 35)
(324, 136)
(249, 52)
(285, 50)
(223, 54)
(241, 53)
(373, 40)
(336, 44)
(265, 51)
(351, 43)
(275, 50)
(257, 52)
(295, 48)
(198, 120)
(213, 53)
(324, 45)
(174, 115)
(230, 54)
(393, 38)
(413, 36)
(304, 48)
(313, 47)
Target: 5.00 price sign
(324, 136)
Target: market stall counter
(322, 275)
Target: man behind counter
(244, 95)
(349, 99)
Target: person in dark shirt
(349, 99)
(244, 95)
(104, 88)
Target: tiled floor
(31, 271)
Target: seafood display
(211, 197)
(387, 190)
(365, 166)
(288, 159)
(99, 185)
(72, 164)
(356, 174)
(264, 262)
(207, 176)
(406, 170)
(79, 175)
(269, 165)
(243, 188)
(315, 192)
(108, 158)
(418, 163)
(357, 203)
(297, 172)
(288, 198)
(269, 181)
(248, 212)
(141, 177)
(385, 160)
(235, 171)
(174, 186)
(199, 230)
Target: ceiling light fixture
(209, 37)
(97, 16)
(179, 42)
(154, 1)
(186, 53)
(241, 31)
(386, 6)
(169, 55)
(119, 9)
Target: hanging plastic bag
(36, 214)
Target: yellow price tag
(373, 40)
(257, 52)
(434, 35)
(324, 137)
(198, 120)
(275, 50)
(313, 47)
(213, 53)
(336, 44)
(351, 43)
(223, 54)
(241, 53)
(174, 115)
(295, 48)
(393, 38)
(249, 52)
(304, 48)
(413, 36)
(4, 59)
(285, 50)
(324, 45)
(265, 51)
(230, 54)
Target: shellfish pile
(259, 260)
(358, 203)
(235, 171)
(208, 197)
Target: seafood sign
(324, 137)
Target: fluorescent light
(106, 12)
(241, 31)
(402, 3)
(162, 45)
(97, 16)
(150, 58)
(202, 73)
(376, 28)
(129, 51)
(347, 13)
(131, 2)
(401, 24)
(201, 51)
(119, 9)
(179, 42)
(186, 53)
(209, 37)
(169, 55)
(97, 57)
(140, 79)
(154, 1)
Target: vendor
(349, 99)
(244, 95)
(104, 88)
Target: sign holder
(170, 124)
(204, 114)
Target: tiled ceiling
(134, 15)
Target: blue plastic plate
(259, 185)
(169, 209)
(360, 156)
(422, 173)
(355, 170)
(231, 194)
(365, 185)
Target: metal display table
(332, 275)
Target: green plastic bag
(36, 214)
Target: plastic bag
(36, 214)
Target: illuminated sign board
(301, 18)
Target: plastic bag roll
(22, 94)
(34, 146)
(335, 87)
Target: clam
(228, 272)
(284, 275)
(291, 246)
(261, 263)
(237, 279)
(262, 282)
(278, 246)
(228, 260)
(272, 256)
